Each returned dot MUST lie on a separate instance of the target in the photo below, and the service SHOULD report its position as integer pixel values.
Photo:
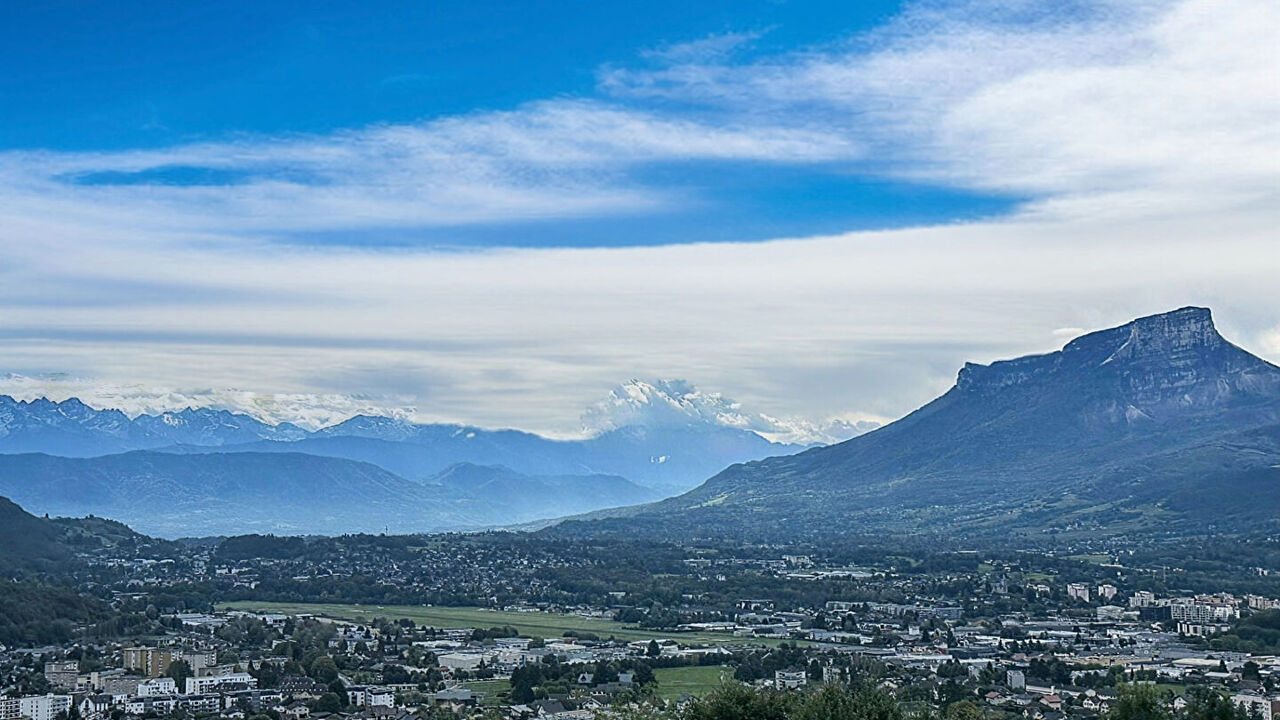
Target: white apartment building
(43, 707)
(211, 683)
(1193, 611)
(156, 687)
(1142, 598)
(1079, 591)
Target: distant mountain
(1156, 426)
(72, 429)
(678, 404)
(523, 498)
(671, 456)
(669, 459)
(221, 493)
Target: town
(501, 625)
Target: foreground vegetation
(734, 701)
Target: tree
(179, 670)
(328, 702)
(963, 710)
(1138, 702)
(653, 649)
(642, 674)
(324, 669)
(1206, 704)
(734, 701)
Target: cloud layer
(1142, 135)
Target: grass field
(694, 680)
(536, 624)
(490, 690)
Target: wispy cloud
(553, 159)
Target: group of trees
(539, 680)
(734, 701)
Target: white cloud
(1120, 109)
(553, 159)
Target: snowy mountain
(73, 429)
(665, 435)
(677, 403)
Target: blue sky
(494, 213)
(118, 76)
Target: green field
(534, 624)
(695, 680)
(489, 690)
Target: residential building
(1015, 679)
(152, 662)
(62, 673)
(790, 679)
(213, 683)
(1142, 598)
(43, 707)
(1078, 591)
(155, 687)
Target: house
(455, 698)
(94, 706)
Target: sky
(496, 213)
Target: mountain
(28, 542)
(174, 495)
(667, 458)
(678, 404)
(1159, 426)
(669, 452)
(220, 493)
(523, 498)
(73, 429)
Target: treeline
(734, 701)
(1258, 633)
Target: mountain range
(211, 471)
(1159, 426)
(219, 493)
(1156, 427)
(669, 453)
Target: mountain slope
(670, 458)
(39, 544)
(1159, 425)
(522, 498)
(218, 493)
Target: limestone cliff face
(1156, 367)
(1159, 413)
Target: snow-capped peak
(676, 403)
